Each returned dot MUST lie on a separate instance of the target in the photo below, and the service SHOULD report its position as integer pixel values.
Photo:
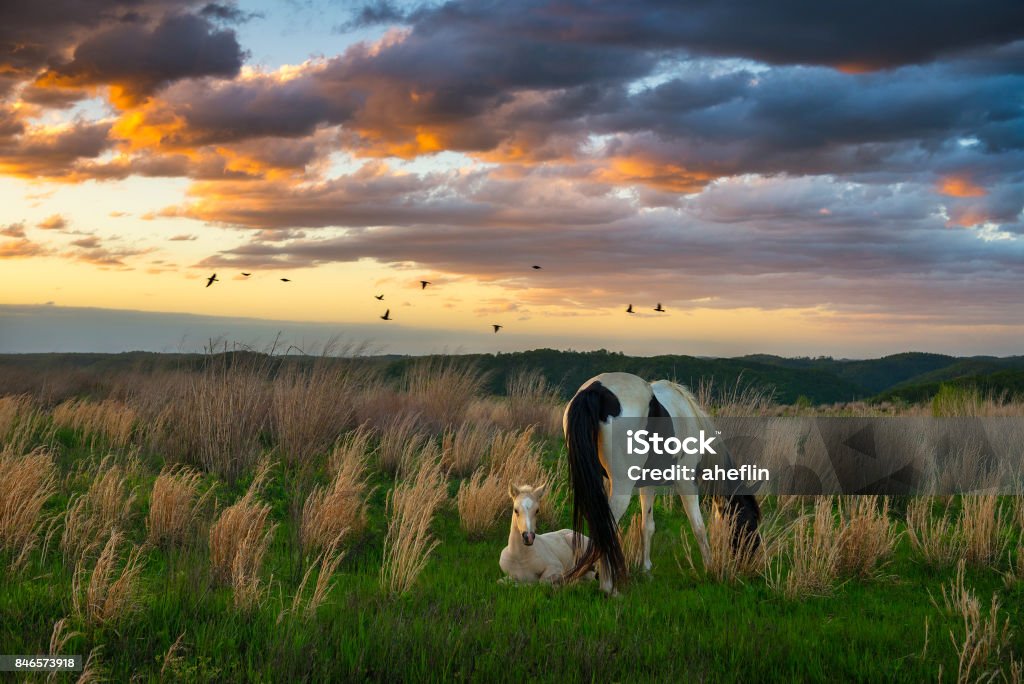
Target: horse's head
(525, 507)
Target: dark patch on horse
(609, 403)
(656, 410)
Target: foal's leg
(647, 521)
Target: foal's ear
(539, 490)
(513, 491)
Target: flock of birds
(423, 286)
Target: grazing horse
(531, 557)
(601, 489)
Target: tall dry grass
(936, 539)
(1015, 559)
(985, 639)
(23, 427)
(813, 555)
(408, 544)
(463, 448)
(400, 441)
(175, 507)
(239, 540)
(981, 526)
(311, 407)
(532, 402)
(214, 419)
(109, 422)
(14, 409)
(632, 540)
(325, 566)
(441, 389)
(337, 511)
(868, 537)
(111, 590)
(515, 457)
(480, 501)
(26, 483)
(91, 517)
(729, 563)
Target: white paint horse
(530, 557)
(601, 490)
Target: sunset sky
(798, 178)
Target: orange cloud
(960, 186)
(663, 176)
(20, 248)
(856, 67)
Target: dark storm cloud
(865, 35)
(141, 60)
(35, 34)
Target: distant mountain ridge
(910, 376)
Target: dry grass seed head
(408, 543)
(28, 482)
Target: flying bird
(211, 280)
(423, 284)
(285, 280)
(536, 268)
(387, 315)
(497, 327)
(247, 274)
(378, 296)
(629, 309)
(659, 309)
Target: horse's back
(632, 392)
(677, 399)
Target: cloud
(21, 247)
(15, 230)
(749, 242)
(54, 152)
(53, 222)
(32, 36)
(91, 250)
(90, 242)
(137, 62)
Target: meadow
(257, 521)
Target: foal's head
(525, 507)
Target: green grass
(460, 623)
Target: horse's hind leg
(691, 504)
(647, 521)
(618, 504)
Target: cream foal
(530, 557)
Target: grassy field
(94, 571)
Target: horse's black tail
(589, 501)
(746, 515)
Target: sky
(787, 177)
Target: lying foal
(530, 557)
